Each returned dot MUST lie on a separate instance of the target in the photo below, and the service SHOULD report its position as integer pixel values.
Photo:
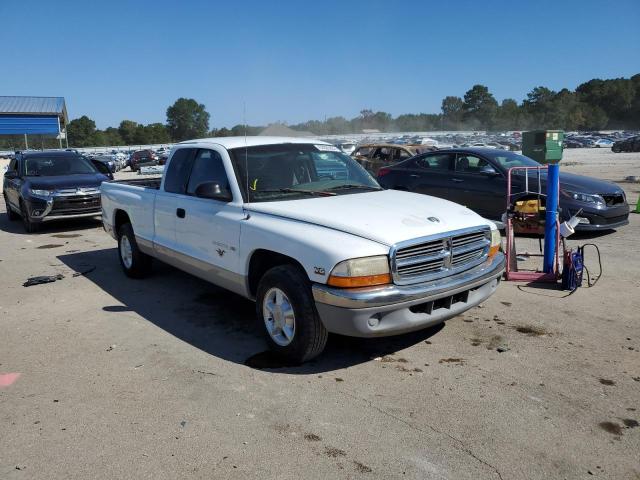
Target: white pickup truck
(304, 231)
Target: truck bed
(153, 183)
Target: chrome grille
(429, 258)
(65, 192)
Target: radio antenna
(246, 150)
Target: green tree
(157, 133)
(479, 106)
(112, 136)
(187, 119)
(81, 132)
(539, 104)
(452, 112)
(127, 130)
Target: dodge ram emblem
(434, 219)
(220, 251)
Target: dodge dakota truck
(304, 231)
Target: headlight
(361, 272)
(496, 242)
(40, 193)
(584, 197)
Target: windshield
(54, 166)
(509, 160)
(292, 171)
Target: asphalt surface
(166, 377)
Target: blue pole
(550, 228)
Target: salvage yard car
(304, 231)
(52, 185)
(477, 178)
(374, 156)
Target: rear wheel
(11, 215)
(29, 226)
(134, 263)
(284, 304)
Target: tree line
(594, 105)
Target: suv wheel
(29, 226)
(134, 263)
(285, 305)
(11, 215)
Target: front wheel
(285, 305)
(134, 263)
(29, 226)
(11, 215)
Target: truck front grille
(429, 258)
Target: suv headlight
(40, 193)
(584, 197)
(361, 272)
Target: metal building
(33, 115)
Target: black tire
(310, 336)
(140, 263)
(29, 226)
(11, 215)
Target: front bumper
(393, 309)
(44, 209)
(606, 218)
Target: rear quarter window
(177, 176)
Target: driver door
(208, 231)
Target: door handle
(413, 175)
(457, 180)
(180, 212)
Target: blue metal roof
(20, 115)
(34, 106)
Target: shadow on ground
(52, 227)
(214, 320)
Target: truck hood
(387, 216)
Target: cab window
(177, 175)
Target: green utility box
(544, 146)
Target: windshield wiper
(314, 193)
(352, 185)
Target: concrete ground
(164, 377)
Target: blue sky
(298, 60)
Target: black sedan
(477, 178)
(43, 186)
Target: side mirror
(214, 191)
(10, 174)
